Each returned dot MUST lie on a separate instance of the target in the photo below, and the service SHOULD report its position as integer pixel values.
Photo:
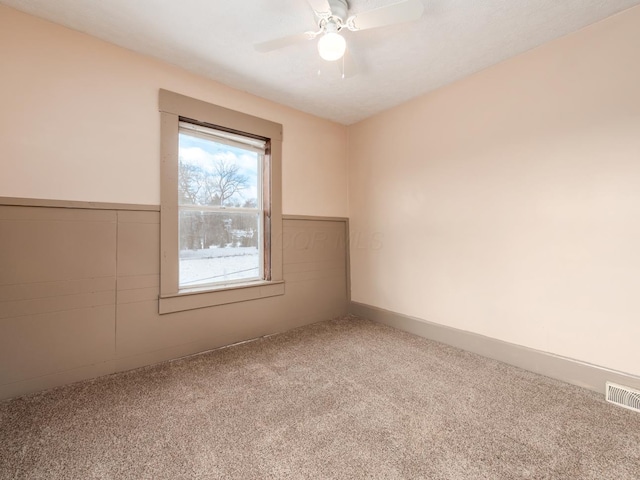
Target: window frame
(214, 135)
(175, 108)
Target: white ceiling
(215, 38)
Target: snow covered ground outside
(210, 265)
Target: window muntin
(220, 207)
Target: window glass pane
(213, 173)
(219, 247)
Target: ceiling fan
(332, 17)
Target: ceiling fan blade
(320, 6)
(390, 15)
(277, 43)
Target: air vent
(623, 396)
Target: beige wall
(79, 121)
(508, 204)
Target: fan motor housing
(339, 8)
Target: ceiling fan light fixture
(331, 46)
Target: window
(220, 207)
(221, 220)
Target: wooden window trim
(173, 108)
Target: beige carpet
(340, 399)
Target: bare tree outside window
(226, 181)
(190, 183)
(219, 211)
(199, 187)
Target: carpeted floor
(346, 398)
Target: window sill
(190, 300)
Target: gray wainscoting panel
(54, 244)
(57, 295)
(315, 276)
(79, 289)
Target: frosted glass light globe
(331, 46)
